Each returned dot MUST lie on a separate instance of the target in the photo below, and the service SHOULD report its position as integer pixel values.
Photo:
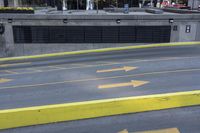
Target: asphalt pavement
(104, 76)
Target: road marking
(88, 66)
(95, 79)
(167, 130)
(34, 69)
(134, 83)
(80, 64)
(106, 62)
(2, 80)
(56, 67)
(10, 72)
(124, 131)
(15, 64)
(125, 68)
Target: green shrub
(17, 8)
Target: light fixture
(171, 20)
(10, 20)
(65, 21)
(118, 21)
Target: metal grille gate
(91, 34)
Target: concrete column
(198, 32)
(2, 45)
(9, 40)
(1, 3)
(16, 3)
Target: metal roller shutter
(75, 34)
(127, 34)
(57, 34)
(93, 34)
(110, 34)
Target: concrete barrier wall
(189, 35)
(9, 48)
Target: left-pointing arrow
(2, 80)
(125, 68)
(134, 83)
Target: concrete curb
(20, 117)
(21, 58)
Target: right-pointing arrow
(137, 83)
(125, 68)
(134, 83)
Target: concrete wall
(1, 3)
(198, 32)
(11, 49)
(185, 36)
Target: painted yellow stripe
(168, 130)
(10, 72)
(98, 108)
(99, 50)
(2, 80)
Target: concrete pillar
(16, 3)
(9, 40)
(1, 3)
(198, 32)
(13, 3)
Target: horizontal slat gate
(91, 34)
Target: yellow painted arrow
(134, 83)
(2, 80)
(168, 130)
(125, 68)
(124, 131)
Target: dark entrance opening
(5, 3)
(91, 34)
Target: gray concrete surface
(1, 3)
(72, 79)
(75, 79)
(84, 18)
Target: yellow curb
(99, 50)
(98, 108)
